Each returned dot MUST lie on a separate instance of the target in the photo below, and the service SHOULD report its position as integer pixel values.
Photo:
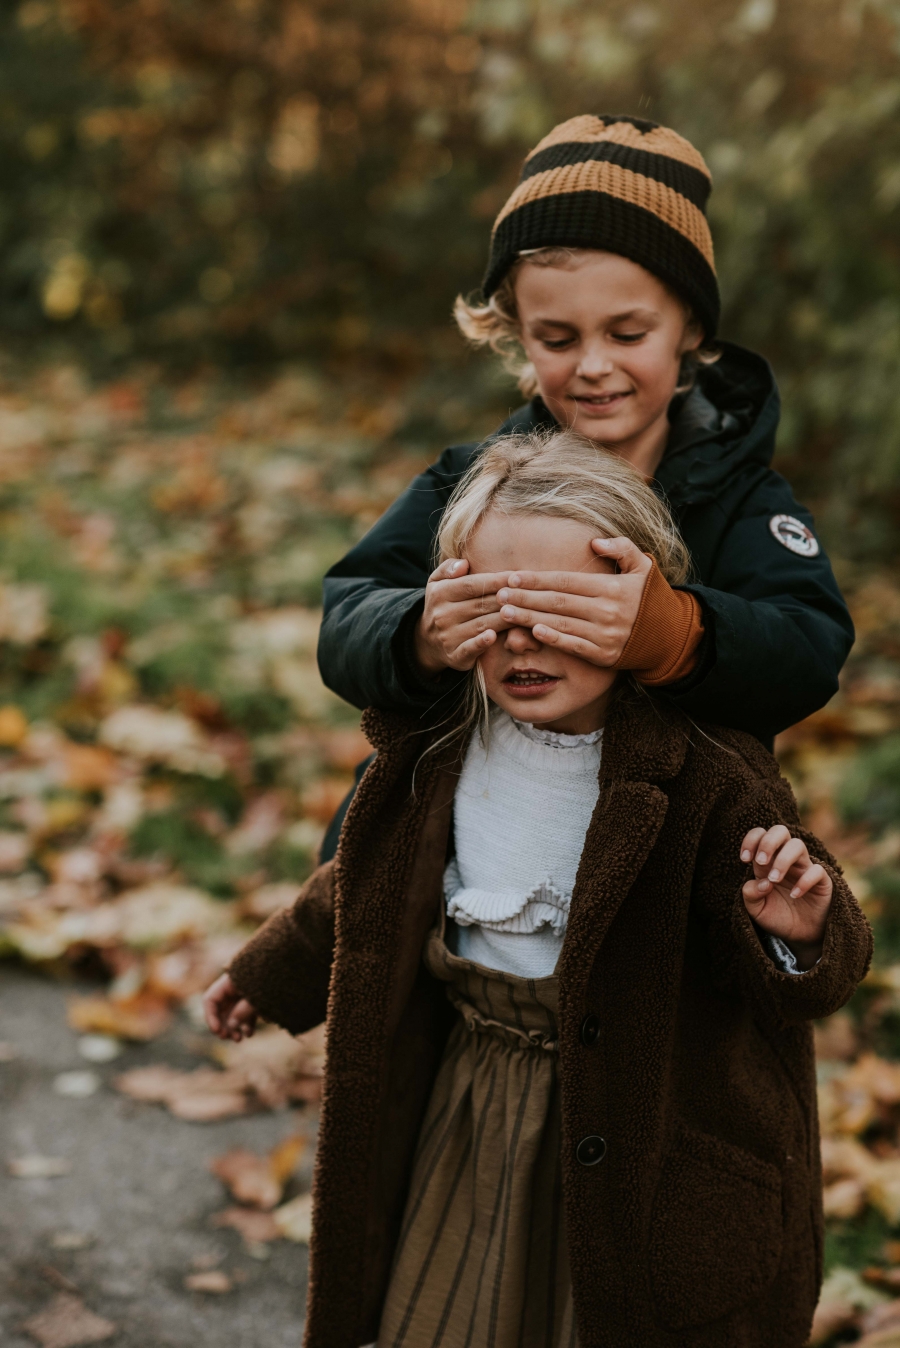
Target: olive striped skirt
(482, 1259)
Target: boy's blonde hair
(566, 475)
(496, 324)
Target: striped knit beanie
(622, 185)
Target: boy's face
(536, 683)
(606, 340)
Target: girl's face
(606, 340)
(536, 683)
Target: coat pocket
(716, 1234)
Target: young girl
(601, 274)
(568, 949)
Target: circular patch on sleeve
(794, 535)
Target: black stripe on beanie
(640, 123)
(689, 182)
(597, 220)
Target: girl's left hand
(586, 613)
(790, 894)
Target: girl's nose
(519, 640)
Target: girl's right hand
(461, 617)
(228, 1014)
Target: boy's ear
(692, 337)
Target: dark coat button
(590, 1150)
(590, 1030)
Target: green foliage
(870, 790)
(254, 181)
(185, 842)
(856, 1244)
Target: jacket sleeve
(778, 630)
(285, 967)
(740, 961)
(373, 599)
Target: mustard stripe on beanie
(622, 185)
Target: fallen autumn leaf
(67, 1323)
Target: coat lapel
(643, 745)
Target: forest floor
(169, 760)
(120, 1232)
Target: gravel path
(138, 1195)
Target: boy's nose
(520, 639)
(595, 362)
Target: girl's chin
(537, 707)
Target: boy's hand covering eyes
(582, 612)
(228, 1013)
(790, 894)
(460, 618)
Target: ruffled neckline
(556, 738)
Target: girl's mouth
(529, 682)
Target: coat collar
(644, 740)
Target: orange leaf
(140, 1018)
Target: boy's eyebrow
(614, 318)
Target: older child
(601, 268)
(570, 1092)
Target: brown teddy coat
(680, 1043)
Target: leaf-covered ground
(169, 757)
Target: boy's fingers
(466, 654)
(748, 846)
(623, 551)
(792, 853)
(590, 608)
(575, 645)
(459, 590)
(771, 840)
(451, 566)
(559, 622)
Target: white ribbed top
(521, 811)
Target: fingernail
(502, 596)
(515, 581)
(795, 893)
(455, 567)
(745, 856)
(507, 611)
(761, 858)
(774, 875)
(762, 885)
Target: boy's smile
(606, 339)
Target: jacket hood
(726, 422)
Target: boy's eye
(629, 336)
(556, 343)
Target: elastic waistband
(513, 1035)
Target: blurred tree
(254, 179)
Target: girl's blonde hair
(562, 474)
(566, 475)
(496, 324)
